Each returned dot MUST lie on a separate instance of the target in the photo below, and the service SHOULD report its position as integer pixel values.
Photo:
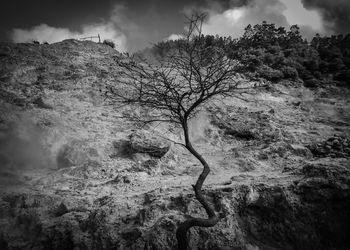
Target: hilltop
(75, 175)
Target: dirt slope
(74, 175)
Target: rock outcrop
(75, 175)
(306, 209)
(146, 143)
(335, 146)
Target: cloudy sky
(135, 24)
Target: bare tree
(174, 91)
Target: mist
(21, 149)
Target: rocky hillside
(75, 175)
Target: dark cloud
(155, 20)
(215, 5)
(135, 24)
(146, 22)
(284, 13)
(63, 13)
(335, 13)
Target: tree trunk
(181, 232)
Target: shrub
(290, 62)
(289, 72)
(311, 83)
(336, 64)
(109, 43)
(274, 49)
(305, 74)
(35, 42)
(252, 62)
(312, 65)
(270, 74)
(343, 76)
(271, 59)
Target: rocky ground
(75, 175)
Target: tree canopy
(274, 53)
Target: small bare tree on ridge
(174, 91)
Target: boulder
(144, 142)
(61, 210)
(244, 133)
(280, 149)
(334, 147)
(150, 166)
(316, 205)
(41, 103)
(300, 150)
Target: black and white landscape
(175, 125)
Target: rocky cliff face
(74, 175)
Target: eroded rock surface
(146, 143)
(335, 146)
(280, 162)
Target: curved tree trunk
(181, 232)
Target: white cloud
(42, 32)
(235, 14)
(107, 31)
(297, 14)
(280, 12)
(112, 30)
(233, 21)
(174, 37)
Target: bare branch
(175, 90)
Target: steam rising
(21, 148)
